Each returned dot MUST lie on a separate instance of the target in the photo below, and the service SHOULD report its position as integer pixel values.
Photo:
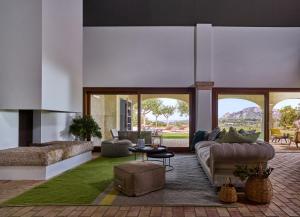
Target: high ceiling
(191, 12)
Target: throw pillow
(234, 137)
(199, 136)
(251, 138)
(214, 134)
(246, 132)
(222, 133)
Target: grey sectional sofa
(219, 160)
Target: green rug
(77, 186)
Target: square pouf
(138, 178)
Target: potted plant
(85, 127)
(258, 187)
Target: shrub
(85, 127)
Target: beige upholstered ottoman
(138, 178)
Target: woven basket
(259, 189)
(227, 193)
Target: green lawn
(77, 186)
(175, 135)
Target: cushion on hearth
(43, 155)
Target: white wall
(9, 125)
(204, 68)
(41, 54)
(204, 50)
(164, 56)
(20, 54)
(40, 65)
(204, 110)
(52, 126)
(62, 55)
(244, 57)
(256, 57)
(138, 56)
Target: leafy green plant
(157, 111)
(141, 135)
(288, 116)
(183, 108)
(148, 106)
(168, 111)
(244, 172)
(85, 127)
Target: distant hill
(253, 113)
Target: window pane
(241, 112)
(167, 116)
(117, 112)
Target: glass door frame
(244, 91)
(241, 91)
(191, 91)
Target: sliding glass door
(284, 120)
(242, 111)
(167, 116)
(275, 112)
(167, 113)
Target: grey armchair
(133, 136)
(115, 148)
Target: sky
(175, 117)
(235, 105)
(225, 105)
(291, 102)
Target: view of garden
(167, 117)
(240, 114)
(286, 116)
(247, 115)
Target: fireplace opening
(25, 127)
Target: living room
(102, 60)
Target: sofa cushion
(30, 156)
(203, 151)
(241, 153)
(45, 155)
(204, 154)
(204, 144)
(71, 148)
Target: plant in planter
(141, 138)
(85, 127)
(258, 187)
